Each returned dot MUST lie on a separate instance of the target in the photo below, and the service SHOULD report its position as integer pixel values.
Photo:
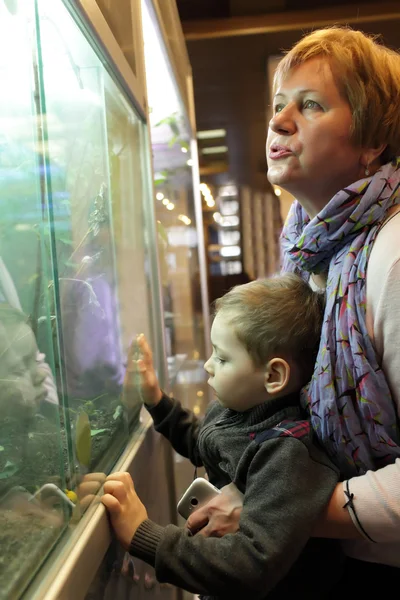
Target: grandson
(265, 337)
(22, 373)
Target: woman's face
(309, 151)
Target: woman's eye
(311, 104)
(278, 108)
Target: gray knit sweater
(270, 455)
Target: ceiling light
(214, 150)
(159, 196)
(170, 206)
(210, 134)
(165, 201)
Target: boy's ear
(277, 375)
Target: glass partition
(31, 438)
(75, 277)
(175, 209)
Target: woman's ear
(370, 155)
(277, 375)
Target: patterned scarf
(351, 408)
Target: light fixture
(210, 134)
(170, 206)
(165, 201)
(232, 221)
(214, 150)
(208, 197)
(230, 251)
(159, 196)
(184, 219)
(228, 190)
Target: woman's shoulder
(385, 252)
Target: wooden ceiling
(229, 48)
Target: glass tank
(75, 277)
(178, 241)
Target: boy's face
(236, 381)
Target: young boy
(22, 374)
(265, 337)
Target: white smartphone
(199, 492)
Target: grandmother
(334, 143)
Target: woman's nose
(283, 122)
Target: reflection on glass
(31, 517)
(177, 234)
(74, 278)
(93, 142)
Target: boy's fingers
(145, 349)
(141, 366)
(131, 351)
(117, 489)
(111, 503)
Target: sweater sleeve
(286, 491)
(179, 425)
(377, 494)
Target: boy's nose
(207, 366)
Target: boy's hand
(140, 375)
(126, 510)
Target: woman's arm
(375, 509)
(377, 494)
(335, 520)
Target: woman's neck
(313, 206)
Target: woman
(336, 121)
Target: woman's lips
(276, 152)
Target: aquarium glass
(175, 209)
(74, 277)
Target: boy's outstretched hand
(140, 376)
(125, 507)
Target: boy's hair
(277, 317)
(367, 74)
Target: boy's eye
(221, 361)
